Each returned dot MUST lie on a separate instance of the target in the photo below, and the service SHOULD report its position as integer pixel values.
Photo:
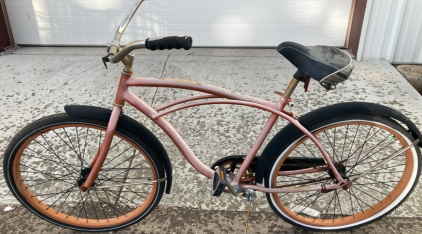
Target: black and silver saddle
(327, 65)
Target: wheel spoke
(92, 204)
(351, 146)
(304, 157)
(334, 151)
(54, 194)
(52, 204)
(111, 205)
(118, 156)
(63, 201)
(60, 159)
(83, 205)
(46, 159)
(339, 203)
(319, 193)
(45, 173)
(344, 142)
(102, 204)
(301, 200)
(357, 200)
(366, 186)
(329, 204)
(102, 174)
(310, 151)
(67, 135)
(86, 141)
(361, 148)
(75, 206)
(77, 154)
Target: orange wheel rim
(358, 217)
(50, 212)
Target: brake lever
(106, 59)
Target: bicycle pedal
(219, 181)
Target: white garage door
(249, 23)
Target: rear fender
(316, 116)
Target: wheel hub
(84, 175)
(341, 170)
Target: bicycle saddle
(327, 65)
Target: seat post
(291, 88)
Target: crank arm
(129, 184)
(386, 160)
(234, 189)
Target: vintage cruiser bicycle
(338, 167)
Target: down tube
(170, 131)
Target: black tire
(357, 143)
(45, 163)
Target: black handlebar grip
(169, 42)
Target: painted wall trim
(420, 57)
(6, 17)
(364, 30)
(349, 26)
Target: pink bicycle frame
(225, 97)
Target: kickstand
(250, 197)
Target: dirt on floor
(182, 220)
(413, 74)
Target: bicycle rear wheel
(357, 143)
(47, 162)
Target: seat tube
(255, 147)
(292, 86)
(259, 140)
(283, 101)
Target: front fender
(316, 116)
(132, 125)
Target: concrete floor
(36, 82)
(193, 221)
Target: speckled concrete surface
(36, 82)
(192, 221)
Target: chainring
(232, 165)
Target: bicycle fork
(98, 161)
(101, 155)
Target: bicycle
(338, 167)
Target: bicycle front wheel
(47, 162)
(358, 144)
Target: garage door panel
(195, 4)
(290, 30)
(269, 43)
(299, 15)
(210, 23)
(241, 4)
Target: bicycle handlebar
(124, 23)
(115, 54)
(126, 50)
(169, 42)
(158, 43)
